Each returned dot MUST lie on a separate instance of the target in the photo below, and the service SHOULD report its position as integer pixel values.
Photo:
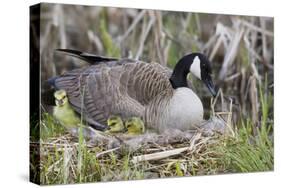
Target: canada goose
(131, 88)
(115, 124)
(63, 111)
(134, 126)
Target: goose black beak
(210, 86)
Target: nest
(157, 151)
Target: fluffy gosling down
(115, 124)
(63, 111)
(134, 126)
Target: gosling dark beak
(106, 128)
(209, 83)
(60, 102)
(125, 130)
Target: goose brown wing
(100, 91)
(148, 80)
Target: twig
(231, 52)
(170, 37)
(197, 19)
(134, 24)
(159, 155)
(230, 78)
(254, 27)
(95, 40)
(250, 49)
(168, 153)
(229, 118)
(144, 36)
(254, 99)
(216, 47)
(265, 52)
(59, 22)
(66, 159)
(159, 38)
(210, 42)
(107, 151)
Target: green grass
(245, 152)
(110, 47)
(252, 148)
(49, 127)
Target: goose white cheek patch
(195, 67)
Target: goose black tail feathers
(90, 58)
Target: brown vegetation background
(239, 47)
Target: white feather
(185, 110)
(195, 67)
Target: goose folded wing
(96, 93)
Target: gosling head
(115, 124)
(198, 65)
(134, 126)
(60, 97)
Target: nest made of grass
(171, 153)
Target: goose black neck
(181, 70)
